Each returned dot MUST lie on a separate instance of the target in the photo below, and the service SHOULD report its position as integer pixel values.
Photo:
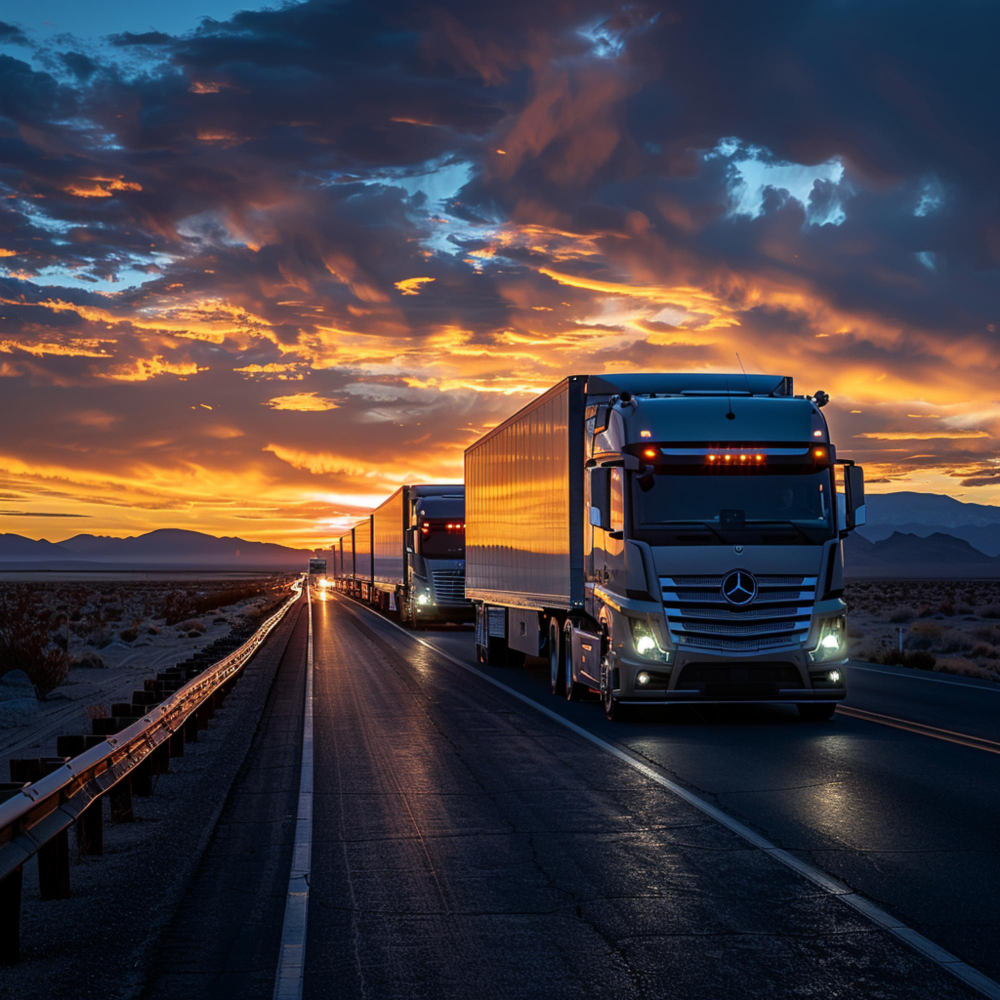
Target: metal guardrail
(36, 819)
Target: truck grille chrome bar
(699, 616)
(449, 586)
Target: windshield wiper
(700, 524)
(785, 524)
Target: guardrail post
(90, 829)
(121, 802)
(177, 742)
(53, 867)
(10, 917)
(191, 728)
(142, 779)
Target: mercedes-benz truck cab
(703, 558)
(434, 589)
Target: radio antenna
(729, 400)
(742, 369)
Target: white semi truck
(408, 556)
(665, 538)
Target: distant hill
(166, 548)
(939, 555)
(927, 514)
(17, 547)
(907, 507)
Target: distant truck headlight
(645, 641)
(832, 640)
(424, 599)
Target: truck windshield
(442, 540)
(794, 508)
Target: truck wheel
(816, 713)
(613, 708)
(555, 657)
(573, 690)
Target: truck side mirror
(411, 540)
(601, 419)
(600, 498)
(854, 488)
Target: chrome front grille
(699, 616)
(449, 586)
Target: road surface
(466, 844)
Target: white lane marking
(917, 675)
(292, 955)
(970, 976)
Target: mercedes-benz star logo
(739, 587)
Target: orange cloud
(101, 187)
(922, 435)
(411, 286)
(304, 401)
(143, 369)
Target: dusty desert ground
(951, 626)
(88, 643)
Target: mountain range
(906, 535)
(167, 548)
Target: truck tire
(573, 690)
(614, 710)
(816, 713)
(556, 664)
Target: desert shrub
(193, 626)
(984, 651)
(986, 633)
(947, 607)
(925, 612)
(963, 608)
(25, 643)
(90, 661)
(128, 635)
(153, 630)
(954, 640)
(923, 635)
(219, 621)
(902, 614)
(920, 660)
(194, 635)
(99, 638)
(989, 611)
(964, 667)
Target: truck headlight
(646, 642)
(424, 599)
(832, 640)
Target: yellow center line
(922, 729)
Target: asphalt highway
(466, 844)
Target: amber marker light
(649, 453)
(711, 458)
(743, 458)
(759, 458)
(728, 458)
(645, 434)
(819, 452)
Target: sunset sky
(257, 268)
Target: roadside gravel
(99, 943)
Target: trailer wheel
(572, 689)
(816, 713)
(555, 657)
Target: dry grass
(952, 630)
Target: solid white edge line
(970, 976)
(292, 954)
(917, 675)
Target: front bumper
(442, 613)
(702, 677)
